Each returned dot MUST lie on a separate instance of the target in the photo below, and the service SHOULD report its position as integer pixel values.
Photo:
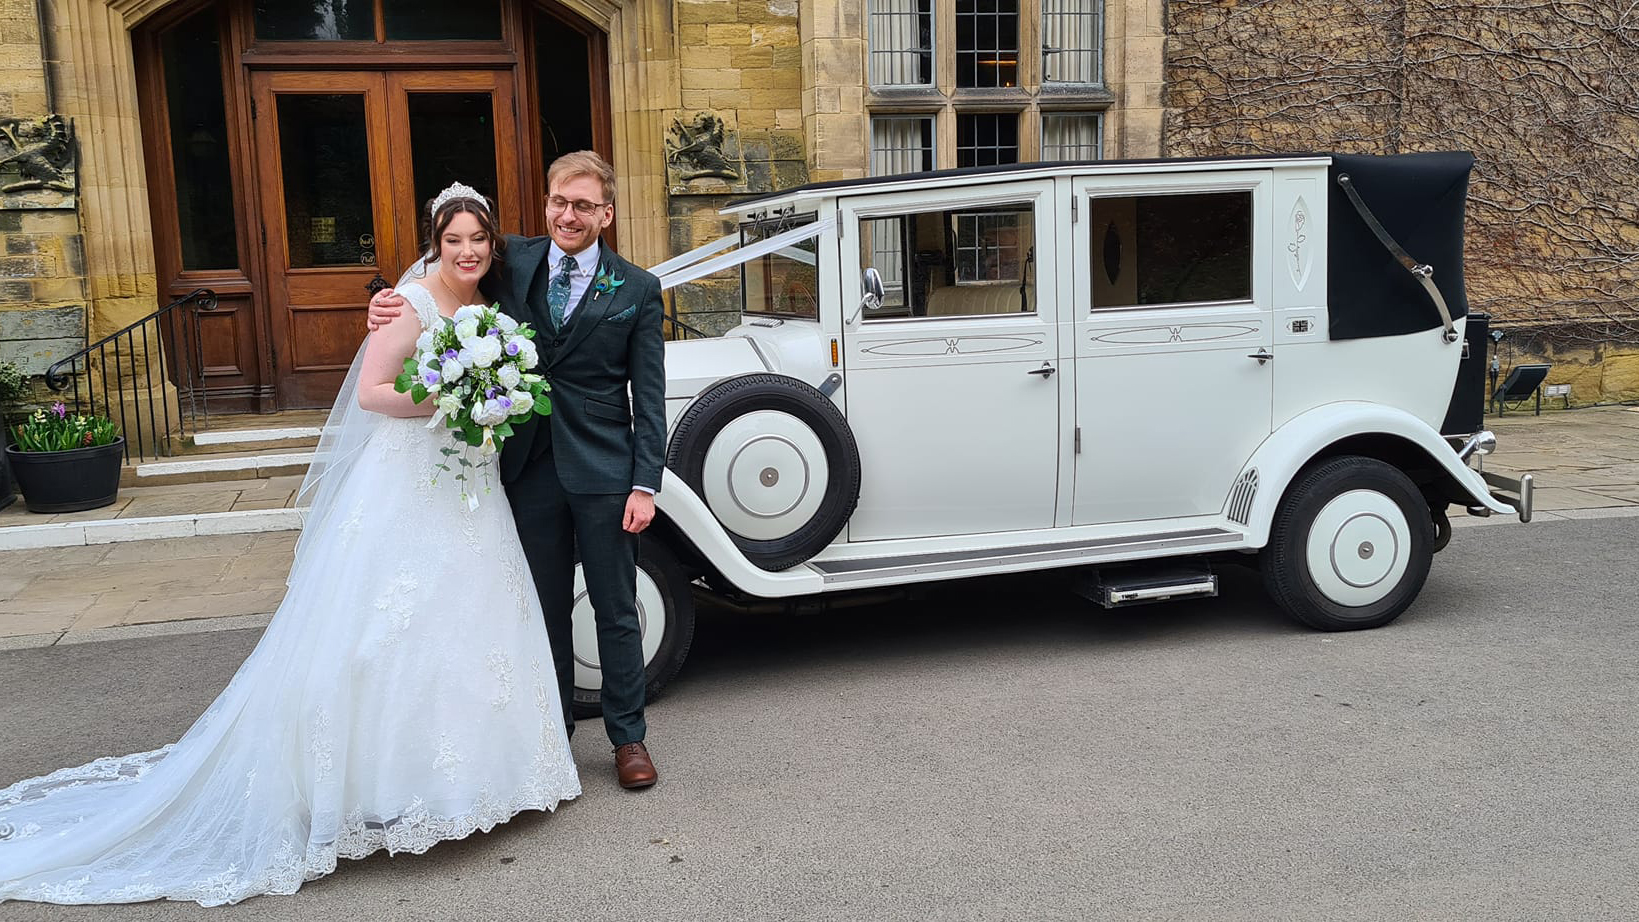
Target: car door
(951, 387)
(1173, 330)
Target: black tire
(1442, 528)
(1287, 574)
(656, 562)
(730, 399)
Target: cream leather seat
(973, 300)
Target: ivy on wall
(1545, 94)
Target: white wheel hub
(651, 619)
(1358, 548)
(765, 475)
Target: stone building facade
(277, 152)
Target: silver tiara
(458, 190)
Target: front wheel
(665, 613)
(1350, 546)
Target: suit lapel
(592, 308)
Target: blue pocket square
(626, 314)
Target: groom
(585, 477)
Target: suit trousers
(552, 524)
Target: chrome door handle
(1046, 370)
(1262, 355)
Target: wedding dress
(403, 694)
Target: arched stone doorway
(289, 147)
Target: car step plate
(1120, 587)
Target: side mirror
(872, 300)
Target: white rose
(485, 352)
(505, 323)
(450, 404)
(509, 376)
(424, 342)
(522, 402)
(466, 329)
(470, 312)
(526, 352)
(452, 370)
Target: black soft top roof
(1419, 199)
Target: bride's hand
(385, 306)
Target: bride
(403, 693)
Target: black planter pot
(68, 481)
(8, 490)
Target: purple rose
(430, 378)
(494, 332)
(490, 394)
(512, 347)
(450, 353)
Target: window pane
(901, 144)
(441, 20)
(987, 43)
(199, 143)
(565, 118)
(1072, 41)
(901, 42)
(315, 20)
(786, 281)
(1071, 136)
(452, 139)
(972, 262)
(987, 139)
(329, 212)
(1172, 249)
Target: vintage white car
(1128, 369)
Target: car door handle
(1046, 370)
(1262, 355)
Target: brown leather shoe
(634, 767)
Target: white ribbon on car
(702, 268)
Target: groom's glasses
(557, 203)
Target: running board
(1118, 587)
(951, 564)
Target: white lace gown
(403, 694)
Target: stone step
(250, 441)
(221, 466)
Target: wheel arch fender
(1372, 430)
(688, 515)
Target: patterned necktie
(557, 290)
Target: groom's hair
(583, 163)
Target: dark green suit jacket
(600, 441)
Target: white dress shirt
(586, 266)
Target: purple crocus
(490, 394)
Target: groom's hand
(385, 306)
(639, 511)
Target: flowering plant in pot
(66, 462)
(11, 388)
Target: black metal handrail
(681, 330)
(180, 361)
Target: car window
(786, 281)
(1151, 250)
(966, 262)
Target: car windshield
(786, 281)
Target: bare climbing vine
(1545, 93)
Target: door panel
(958, 428)
(1173, 304)
(327, 216)
(348, 162)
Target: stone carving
(694, 150)
(36, 163)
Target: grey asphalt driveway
(1002, 750)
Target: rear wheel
(665, 612)
(1350, 546)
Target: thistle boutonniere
(605, 282)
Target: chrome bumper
(1507, 490)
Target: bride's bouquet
(477, 367)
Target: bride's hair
(434, 223)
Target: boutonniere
(605, 282)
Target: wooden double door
(346, 163)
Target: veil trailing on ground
(346, 431)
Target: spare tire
(774, 460)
